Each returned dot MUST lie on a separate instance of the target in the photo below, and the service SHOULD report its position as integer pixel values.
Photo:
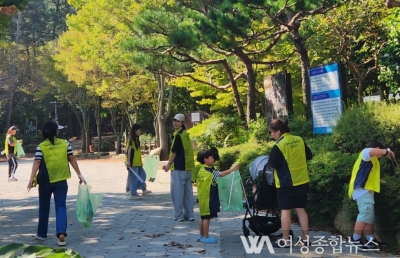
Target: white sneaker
(145, 192)
(128, 193)
(40, 238)
(134, 197)
(62, 240)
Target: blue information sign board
(326, 99)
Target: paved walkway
(125, 228)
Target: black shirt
(276, 160)
(179, 161)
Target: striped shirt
(39, 153)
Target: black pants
(12, 166)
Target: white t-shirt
(361, 191)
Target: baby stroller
(263, 200)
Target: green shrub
(360, 124)
(329, 173)
(218, 131)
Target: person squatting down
(207, 192)
(52, 160)
(10, 149)
(364, 182)
(134, 162)
(181, 163)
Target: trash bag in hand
(87, 204)
(230, 192)
(20, 150)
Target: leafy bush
(329, 173)
(360, 124)
(12, 250)
(218, 131)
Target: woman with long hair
(10, 149)
(134, 162)
(52, 160)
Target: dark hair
(133, 136)
(278, 124)
(215, 153)
(50, 131)
(375, 144)
(203, 154)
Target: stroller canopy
(258, 165)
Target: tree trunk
(304, 61)
(11, 91)
(235, 91)
(251, 94)
(360, 90)
(97, 112)
(305, 64)
(162, 115)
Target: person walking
(365, 181)
(51, 160)
(288, 160)
(10, 149)
(181, 163)
(134, 162)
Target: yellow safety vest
(293, 150)
(204, 187)
(55, 157)
(137, 154)
(358, 176)
(187, 148)
(6, 144)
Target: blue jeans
(128, 183)
(134, 181)
(59, 189)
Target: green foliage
(329, 173)
(300, 126)
(360, 124)
(217, 131)
(387, 205)
(258, 130)
(12, 250)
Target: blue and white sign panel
(326, 100)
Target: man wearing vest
(288, 160)
(364, 182)
(181, 163)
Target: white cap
(179, 117)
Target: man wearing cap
(181, 163)
(10, 149)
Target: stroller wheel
(246, 231)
